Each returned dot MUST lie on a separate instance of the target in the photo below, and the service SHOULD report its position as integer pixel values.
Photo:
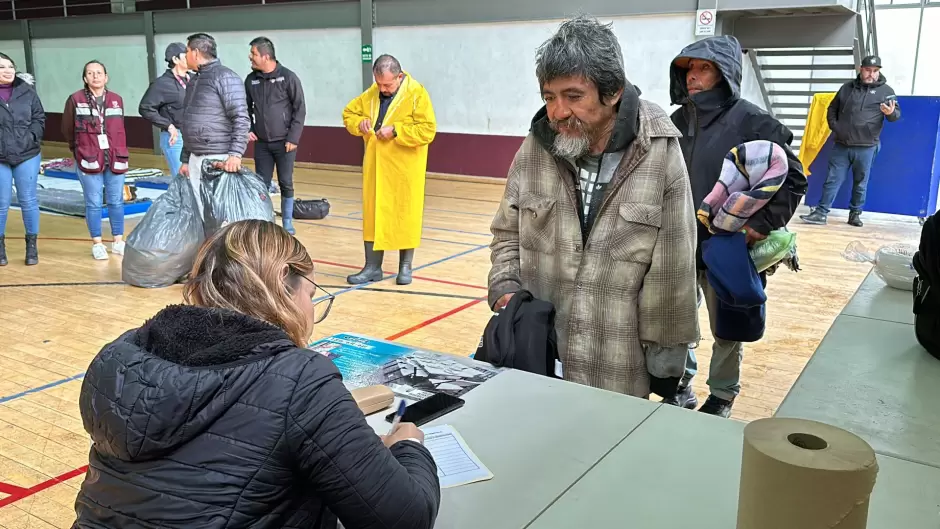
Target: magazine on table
(410, 372)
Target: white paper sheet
(456, 463)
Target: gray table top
(537, 436)
(700, 455)
(872, 378)
(876, 300)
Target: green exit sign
(367, 53)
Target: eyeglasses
(319, 302)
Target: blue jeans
(841, 159)
(26, 176)
(113, 186)
(173, 152)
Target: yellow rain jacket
(393, 171)
(817, 129)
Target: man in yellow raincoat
(396, 121)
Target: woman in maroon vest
(93, 124)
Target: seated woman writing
(213, 414)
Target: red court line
(12, 490)
(437, 318)
(422, 278)
(25, 493)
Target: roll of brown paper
(802, 474)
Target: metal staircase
(800, 51)
(792, 75)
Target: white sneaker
(99, 252)
(117, 247)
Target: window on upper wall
(160, 5)
(76, 8)
(27, 9)
(927, 79)
(897, 44)
(6, 10)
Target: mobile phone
(891, 97)
(425, 411)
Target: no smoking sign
(705, 22)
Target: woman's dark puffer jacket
(22, 123)
(206, 418)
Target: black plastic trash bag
(311, 209)
(163, 247)
(230, 197)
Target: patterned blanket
(751, 174)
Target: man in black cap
(162, 104)
(856, 117)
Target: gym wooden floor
(56, 316)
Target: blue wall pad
(906, 174)
(158, 182)
(57, 173)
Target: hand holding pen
(402, 431)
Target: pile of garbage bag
(230, 197)
(894, 263)
(162, 247)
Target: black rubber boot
(404, 266)
(32, 252)
(3, 251)
(855, 219)
(372, 271)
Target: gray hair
(583, 47)
(386, 63)
(204, 44)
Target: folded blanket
(752, 172)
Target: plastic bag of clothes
(230, 197)
(894, 263)
(162, 248)
(779, 245)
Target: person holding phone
(214, 414)
(856, 117)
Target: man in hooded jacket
(705, 78)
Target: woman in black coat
(213, 414)
(22, 125)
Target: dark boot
(684, 398)
(372, 271)
(32, 253)
(855, 219)
(404, 266)
(717, 406)
(287, 214)
(3, 251)
(816, 217)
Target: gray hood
(724, 50)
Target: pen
(398, 416)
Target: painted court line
(432, 263)
(35, 489)
(41, 388)
(437, 318)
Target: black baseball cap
(175, 49)
(872, 61)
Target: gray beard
(573, 147)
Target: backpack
(311, 209)
(927, 287)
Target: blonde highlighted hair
(253, 267)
